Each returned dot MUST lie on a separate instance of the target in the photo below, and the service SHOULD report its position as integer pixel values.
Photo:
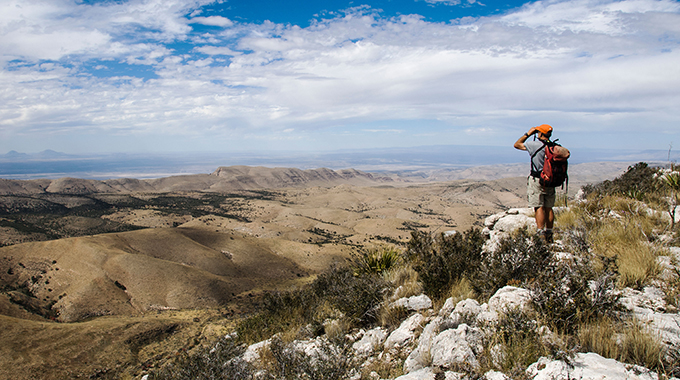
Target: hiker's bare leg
(545, 218)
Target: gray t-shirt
(532, 147)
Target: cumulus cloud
(213, 21)
(587, 65)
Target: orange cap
(544, 129)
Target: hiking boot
(548, 236)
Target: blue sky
(247, 75)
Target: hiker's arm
(519, 144)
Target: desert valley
(105, 279)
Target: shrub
(376, 261)
(324, 361)
(220, 362)
(515, 343)
(443, 260)
(637, 181)
(337, 293)
(570, 291)
(516, 261)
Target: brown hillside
(135, 272)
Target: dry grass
(628, 342)
(621, 228)
(405, 280)
(461, 290)
(104, 348)
(627, 242)
(386, 369)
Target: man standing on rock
(541, 198)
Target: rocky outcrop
(438, 343)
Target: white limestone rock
(492, 219)
(466, 310)
(371, 340)
(650, 297)
(415, 303)
(420, 357)
(252, 353)
(421, 374)
(495, 375)
(588, 366)
(406, 332)
(499, 227)
(428, 374)
(447, 308)
(649, 307)
(456, 346)
(509, 297)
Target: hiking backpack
(555, 165)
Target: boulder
(466, 310)
(252, 353)
(420, 357)
(456, 347)
(509, 297)
(371, 340)
(415, 303)
(406, 332)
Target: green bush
(358, 297)
(441, 261)
(570, 292)
(519, 259)
(637, 182)
(337, 293)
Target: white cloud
(213, 21)
(216, 50)
(584, 65)
(446, 2)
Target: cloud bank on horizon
(187, 75)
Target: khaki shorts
(539, 196)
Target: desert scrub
(405, 281)
(517, 260)
(441, 260)
(570, 291)
(335, 294)
(516, 342)
(321, 360)
(636, 183)
(222, 361)
(620, 228)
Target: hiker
(541, 198)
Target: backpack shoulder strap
(534, 169)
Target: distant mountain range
(413, 161)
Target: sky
(131, 76)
